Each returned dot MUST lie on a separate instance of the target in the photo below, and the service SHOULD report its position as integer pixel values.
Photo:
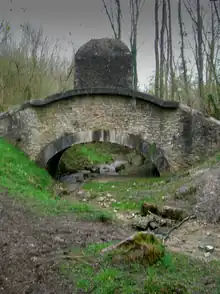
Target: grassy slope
(33, 186)
(129, 194)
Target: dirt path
(29, 247)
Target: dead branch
(177, 227)
(116, 27)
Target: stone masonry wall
(184, 134)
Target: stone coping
(105, 91)
(41, 102)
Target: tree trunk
(114, 16)
(182, 52)
(135, 9)
(170, 41)
(167, 71)
(199, 28)
(162, 57)
(211, 61)
(119, 17)
(156, 48)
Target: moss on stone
(143, 248)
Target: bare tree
(210, 60)
(119, 17)
(200, 51)
(135, 9)
(170, 45)
(162, 43)
(156, 48)
(211, 49)
(198, 38)
(114, 13)
(5, 31)
(167, 65)
(215, 3)
(182, 51)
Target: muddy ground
(30, 246)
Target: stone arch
(50, 155)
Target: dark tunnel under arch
(50, 156)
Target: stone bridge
(45, 128)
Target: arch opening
(50, 156)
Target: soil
(30, 248)
(188, 238)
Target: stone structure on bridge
(45, 128)
(103, 63)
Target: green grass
(130, 193)
(84, 155)
(92, 152)
(32, 185)
(89, 270)
(130, 184)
